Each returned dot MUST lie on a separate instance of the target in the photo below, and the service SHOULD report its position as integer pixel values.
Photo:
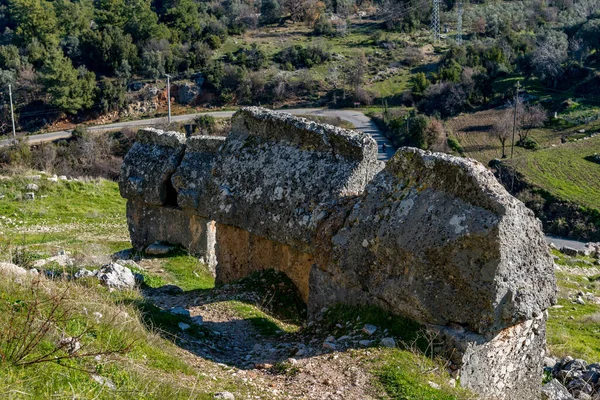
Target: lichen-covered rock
(148, 166)
(554, 390)
(437, 238)
(11, 269)
(195, 171)
(277, 175)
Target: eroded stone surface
(277, 175)
(437, 238)
(148, 166)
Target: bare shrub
(37, 320)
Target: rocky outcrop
(430, 236)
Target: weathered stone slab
(437, 238)
(150, 224)
(506, 366)
(148, 166)
(193, 177)
(277, 175)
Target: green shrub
(455, 145)
(528, 143)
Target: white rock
(11, 269)
(32, 187)
(104, 381)
(434, 385)
(224, 396)
(116, 276)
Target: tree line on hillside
(557, 42)
(75, 56)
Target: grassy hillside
(564, 171)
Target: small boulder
(183, 326)
(224, 396)
(84, 273)
(179, 311)
(32, 187)
(388, 342)
(569, 251)
(369, 329)
(187, 93)
(158, 249)
(116, 276)
(329, 346)
(29, 196)
(11, 269)
(554, 390)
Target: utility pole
(12, 114)
(459, 24)
(512, 146)
(435, 21)
(169, 97)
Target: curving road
(355, 117)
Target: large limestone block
(277, 175)
(438, 239)
(148, 166)
(150, 224)
(194, 174)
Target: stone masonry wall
(428, 236)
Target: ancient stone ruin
(429, 236)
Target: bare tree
(502, 129)
(532, 116)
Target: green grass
(143, 365)
(573, 329)
(405, 375)
(564, 172)
(404, 372)
(265, 324)
(187, 272)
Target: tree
(549, 54)
(70, 89)
(419, 83)
(105, 51)
(590, 33)
(270, 11)
(530, 117)
(502, 129)
(35, 19)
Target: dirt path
(284, 365)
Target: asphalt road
(357, 118)
(560, 242)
